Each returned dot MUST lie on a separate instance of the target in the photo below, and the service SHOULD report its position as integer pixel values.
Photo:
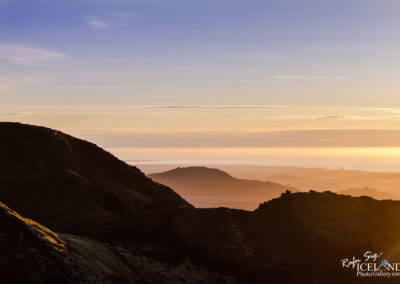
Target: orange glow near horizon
(374, 159)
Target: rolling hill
(208, 187)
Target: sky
(204, 73)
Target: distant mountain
(318, 178)
(213, 187)
(69, 184)
(366, 191)
(305, 179)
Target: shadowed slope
(65, 182)
(297, 238)
(31, 253)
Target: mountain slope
(31, 253)
(202, 184)
(67, 183)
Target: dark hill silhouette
(297, 238)
(69, 184)
(367, 191)
(146, 233)
(31, 253)
(199, 184)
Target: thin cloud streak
(12, 82)
(289, 138)
(334, 117)
(304, 77)
(143, 107)
(389, 110)
(221, 107)
(27, 55)
(99, 24)
(11, 114)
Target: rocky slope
(31, 253)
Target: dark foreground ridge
(69, 184)
(31, 253)
(148, 234)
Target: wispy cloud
(27, 55)
(333, 117)
(123, 15)
(11, 82)
(289, 138)
(11, 114)
(144, 107)
(305, 116)
(114, 60)
(325, 117)
(303, 77)
(222, 107)
(98, 24)
(112, 19)
(288, 114)
(381, 110)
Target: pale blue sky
(96, 66)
